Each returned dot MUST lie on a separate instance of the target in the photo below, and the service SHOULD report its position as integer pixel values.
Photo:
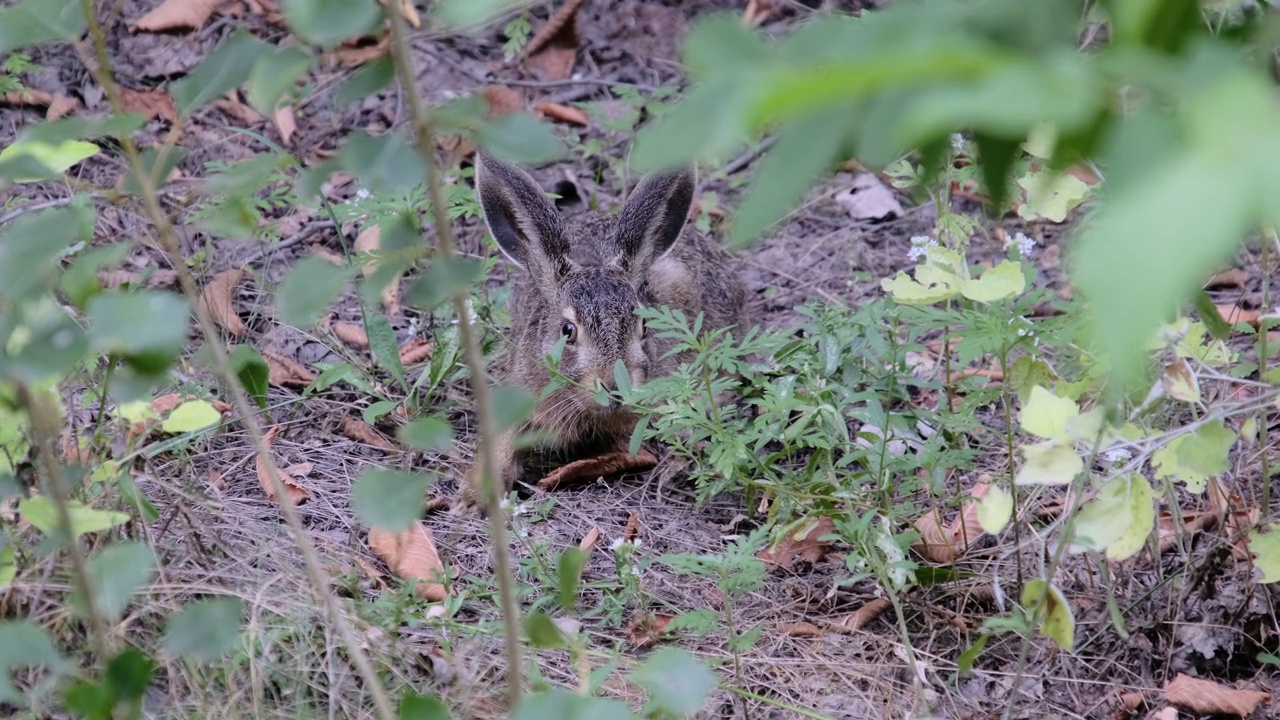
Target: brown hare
(583, 280)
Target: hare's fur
(594, 271)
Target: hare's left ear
(653, 217)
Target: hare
(583, 280)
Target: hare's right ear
(521, 217)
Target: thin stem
(1263, 355)
(474, 358)
(1009, 448)
(319, 580)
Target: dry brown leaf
(804, 544)
(58, 105)
(237, 109)
(1233, 314)
(119, 278)
(1131, 701)
(435, 503)
(166, 403)
(416, 351)
(610, 463)
(501, 100)
(407, 11)
(646, 630)
(286, 122)
(869, 199)
(632, 530)
(1233, 278)
(301, 469)
(329, 255)
(589, 540)
(554, 48)
(1207, 697)
(412, 555)
(859, 618)
(216, 480)
(371, 571)
(757, 12)
(216, 298)
(799, 629)
(943, 544)
(354, 53)
(297, 494)
(363, 432)
(563, 113)
(351, 333)
(151, 104)
(175, 14)
(285, 371)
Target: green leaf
(32, 22)
(23, 644)
(999, 283)
(931, 284)
(376, 411)
(157, 164)
(1048, 463)
(995, 509)
(30, 247)
(568, 572)
(148, 327)
(422, 707)
(51, 159)
(1142, 520)
(461, 13)
(8, 567)
(309, 289)
(384, 164)
(129, 674)
(676, 681)
(204, 629)
(428, 434)
(511, 406)
(565, 705)
(114, 575)
(1057, 622)
(1196, 457)
(390, 500)
(542, 632)
(276, 73)
(1051, 195)
(520, 137)
(369, 79)
(191, 416)
(40, 511)
(445, 278)
(1026, 373)
(225, 68)
(1264, 543)
(382, 340)
(252, 371)
(1046, 415)
(328, 22)
(80, 278)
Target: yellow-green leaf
(932, 284)
(8, 567)
(191, 416)
(1179, 381)
(1046, 415)
(1264, 543)
(1141, 520)
(1048, 463)
(1051, 195)
(43, 516)
(1057, 622)
(57, 158)
(999, 283)
(136, 411)
(1195, 458)
(995, 509)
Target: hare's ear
(653, 217)
(521, 217)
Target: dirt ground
(219, 530)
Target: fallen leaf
(416, 351)
(297, 495)
(589, 540)
(351, 334)
(869, 199)
(150, 104)
(1233, 314)
(1233, 278)
(58, 105)
(236, 108)
(435, 503)
(943, 544)
(363, 432)
(1179, 381)
(799, 629)
(285, 371)
(1131, 701)
(301, 469)
(285, 122)
(859, 618)
(371, 571)
(610, 463)
(333, 257)
(119, 278)
(354, 53)
(166, 403)
(412, 555)
(563, 113)
(632, 530)
(175, 14)
(757, 12)
(647, 629)
(1207, 698)
(216, 298)
(407, 11)
(216, 480)
(501, 100)
(554, 49)
(804, 544)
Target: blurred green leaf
(390, 500)
(191, 416)
(32, 22)
(676, 681)
(382, 164)
(382, 341)
(23, 644)
(204, 629)
(369, 79)
(115, 574)
(520, 137)
(80, 279)
(275, 74)
(148, 328)
(40, 511)
(542, 632)
(422, 707)
(309, 289)
(566, 705)
(428, 434)
(511, 406)
(252, 371)
(157, 164)
(52, 159)
(30, 247)
(445, 278)
(328, 22)
(461, 13)
(1057, 622)
(8, 565)
(569, 572)
(226, 67)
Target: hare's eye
(570, 331)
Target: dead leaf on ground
(1207, 697)
(554, 49)
(176, 14)
(804, 544)
(354, 53)
(589, 540)
(285, 371)
(58, 105)
(1131, 701)
(563, 113)
(118, 278)
(216, 298)
(233, 106)
(363, 432)
(371, 571)
(799, 629)
(757, 12)
(1233, 278)
(286, 123)
(869, 199)
(610, 463)
(350, 333)
(943, 544)
(416, 351)
(412, 555)
(329, 255)
(150, 104)
(859, 618)
(632, 530)
(1233, 314)
(297, 494)
(648, 629)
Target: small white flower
(1020, 243)
(617, 543)
(920, 245)
(637, 542)
(635, 569)
(362, 194)
(957, 142)
(519, 510)
(504, 503)
(1116, 456)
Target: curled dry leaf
(435, 503)
(1131, 701)
(1206, 697)
(563, 113)
(412, 555)
(355, 53)
(869, 199)
(351, 334)
(285, 371)
(233, 106)
(589, 540)
(216, 298)
(297, 495)
(150, 104)
(176, 14)
(416, 351)
(610, 463)
(363, 432)
(859, 618)
(633, 528)
(804, 544)
(943, 543)
(799, 629)
(1233, 314)
(553, 50)
(286, 122)
(58, 105)
(647, 629)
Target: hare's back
(699, 276)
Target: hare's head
(588, 277)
